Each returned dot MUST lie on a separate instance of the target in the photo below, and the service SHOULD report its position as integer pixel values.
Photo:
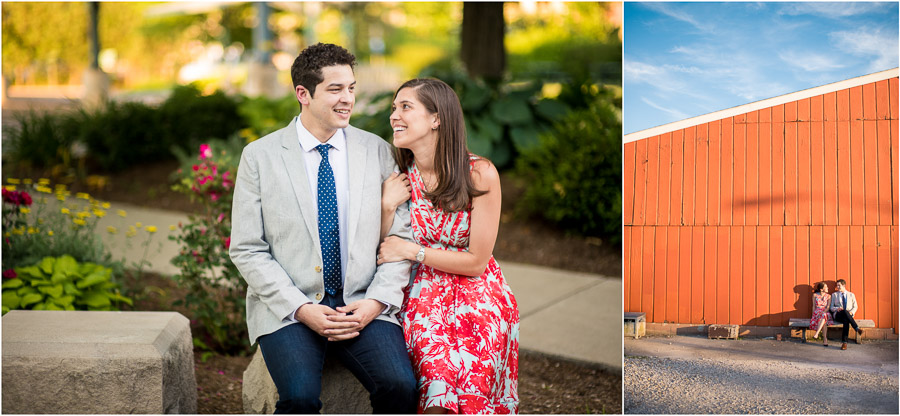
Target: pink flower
(204, 180)
(10, 274)
(205, 151)
(213, 196)
(196, 168)
(227, 242)
(220, 217)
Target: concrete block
(635, 324)
(723, 331)
(342, 393)
(97, 362)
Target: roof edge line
(757, 105)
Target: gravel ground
(678, 386)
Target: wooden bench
(803, 324)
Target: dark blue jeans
(845, 318)
(377, 357)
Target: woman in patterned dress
(821, 318)
(460, 319)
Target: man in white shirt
(843, 307)
(306, 228)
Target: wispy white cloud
(831, 9)
(811, 61)
(680, 15)
(678, 115)
(881, 47)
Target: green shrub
(61, 283)
(191, 118)
(263, 115)
(574, 177)
(215, 289)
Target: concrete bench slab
(803, 324)
(341, 393)
(97, 362)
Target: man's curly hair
(307, 68)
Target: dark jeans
(845, 318)
(377, 357)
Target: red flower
(227, 242)
(10, 274)
(16, 197)
(26, 199)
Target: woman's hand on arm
(394, 191)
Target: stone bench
(803, 324)
(341, 393)
(97, 362)
(635, 324)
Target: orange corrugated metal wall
(732, 221)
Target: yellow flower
(50, 232)
(18, 231)
(44, 181)
(82, 195)
(138, 224)
(13, 181)
(131, 231)
(7, 234)
(60, 187)
(41, 221)
(27, 181)
(99, 213)
(10, 188)
(172, 227)
(122, 213)
(61, 197)
(44, 189)
(32, 230)
(105, 205)
(24, 210)
(79, 221)
(111, 230)
(151, 229)
(65, 211)
(83, 214)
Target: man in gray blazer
(843, 307)
(306, 229)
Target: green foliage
(574, 177)
(61, 283)
(263, 115)
(216, 290)
(376, 119)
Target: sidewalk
(565, 314)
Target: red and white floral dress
(462, 333)
(821, 305)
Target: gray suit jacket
(851, 302)
(275, 238)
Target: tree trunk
(482, 48)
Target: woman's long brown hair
(455, 189)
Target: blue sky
(688, 59)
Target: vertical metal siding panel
(816, 108)
(701, 175)
(830, 148)
(844, 201)
(735, 276)
(748, 281)
(675, 196)
(817, 172)
(895, 270)
(894, 104)
(802, 278)
(870, 166)
(790, 112)
(723, 282)
(765, 173)
(843, 252)
(626, 269)
(685, 302)
(843, 105)
(894, 169)
(789, 272)
(763, 283)
(673, 255)
(751, 179)
(885, 310)
(816, 269)
(637, 275)
(776, 275)
(690, 165)
(856, 103)
(869, 301)
(868, 98)
(698, 253)
(857, 174)
(778, 160)
(647, 271)
(790, 174)
(882, 100)
(855, 282)
(628, 184)
(803, 110)
(885, 194)
(714, 204)
(829, 106)
(829, 254)
(726, 170)
(640, 182)
(665, 179)
(765, 115)
(740, 173)
(752, 117)
(709, 275)
(651, 194)
(804, 182)
(659, 274)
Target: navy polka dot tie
(329, 235)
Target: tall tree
(482, 48)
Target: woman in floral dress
(460, 319)
(821, 318)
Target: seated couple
(841, 307)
